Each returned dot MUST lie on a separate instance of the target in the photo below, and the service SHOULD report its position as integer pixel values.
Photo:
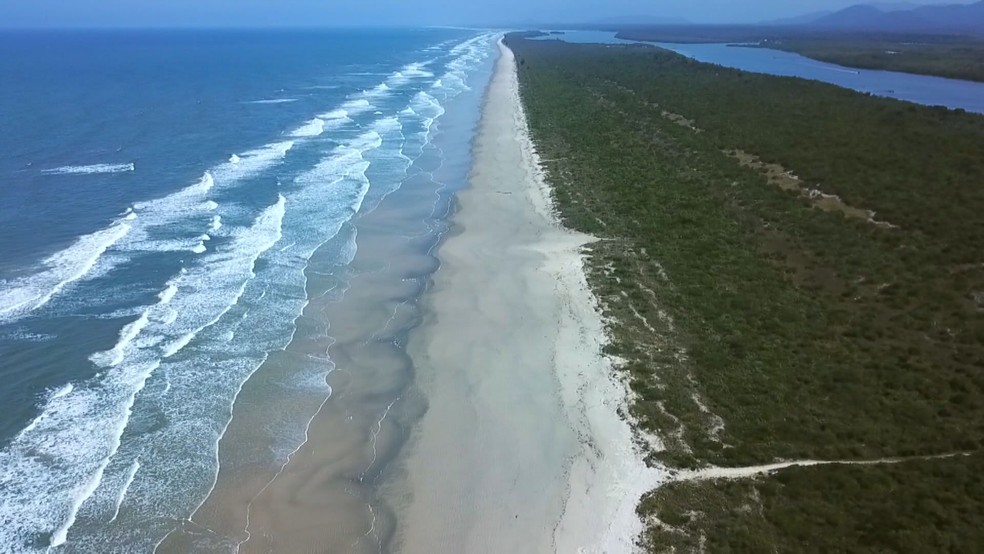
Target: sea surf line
(160, 337)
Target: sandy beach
(482, 417)
(521, 448)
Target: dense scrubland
(791, 271)
(953, 56)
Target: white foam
(234, 159)
(131, 475)
(49, 471)
(409, 73)
(398, 78)
(169, 317)
(178, 345)
(90, 169)
(332, 191)
(180, 199)
(204, 184)
(312, 128)
(191, 205)
(252, 162)
(273, 101)
(427, 107)
(335, 115)
(468, 55)
(168, 293)
(389, 165)
(129, 332)
(22, 335)
(357, 106)
(336, 119)
(382, 89)
(21, 296)
(386, 124)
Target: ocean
(172, 205)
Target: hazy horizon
(380, 13)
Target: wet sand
(325, 498)
(521, 448)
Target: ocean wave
(386, 125)
(466, 56)
(90, 169)
(336, 119)
(74, 466)
(272, 101)
(419, 117)
(50, 470)
(312, 128)
(21, 296)
(417, 70)
(408, 73)
(251, 163)
(132, 232)
(427, 107)
(382, 89)
(130, 476)
(192, 205)
(338, 182)
(388, 165)
(356, 107)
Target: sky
(290, 13)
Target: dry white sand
(522, 448)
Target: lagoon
(920, 89)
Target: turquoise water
(166, 198)
(921, 89)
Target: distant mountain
(860, 15)
(959, 18)
(644, 20)
(814, 16)
(894, 6)
(799, 19)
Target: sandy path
(521, 449)
(714, 472)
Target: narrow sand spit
(522, 448)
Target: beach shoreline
(350, 418)
(522, 448)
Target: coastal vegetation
(955, 58)
(952, 56)
(790, 270)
